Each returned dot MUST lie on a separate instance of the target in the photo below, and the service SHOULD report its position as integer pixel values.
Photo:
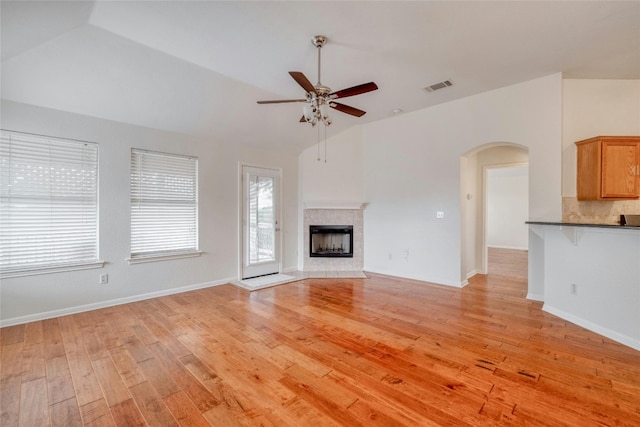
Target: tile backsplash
(597, 211)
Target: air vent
(437, 86)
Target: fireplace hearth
(331, 241)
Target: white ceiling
(199, 67)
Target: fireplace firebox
(331, 241)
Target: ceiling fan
(320, 98)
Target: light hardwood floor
(378, 351)
(508, 262)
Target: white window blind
(164, 204)
(48, 203)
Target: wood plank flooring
(508, 262)
(320, 352)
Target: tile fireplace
(333, 239)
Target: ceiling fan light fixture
(320, 98)
(314, 113)
(324, 112)
(309, 113)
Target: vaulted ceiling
(199, 67)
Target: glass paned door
(261, 237)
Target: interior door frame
(279, 196)
(485, 207)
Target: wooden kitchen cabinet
(608, 168)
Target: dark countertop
(575, 224)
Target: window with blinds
(164, 206)
(48, 204)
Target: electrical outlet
(390, 257)
(574, 290)
(405, 254)
(440, 214)
(104, 279)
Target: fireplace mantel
(334, 205)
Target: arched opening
(491, 180)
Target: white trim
(52, 269)
(164, 153)
(616, 336)
(535, 297)
(517, 248)
(154, 258)
(334, 205)
(470, 275)
(240, 213)
(417, 278)
(109, 303)
(241, 204)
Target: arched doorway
(474, 171)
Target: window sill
(51, 269)
(165, 257)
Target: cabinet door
(620, 169)
(589, 177)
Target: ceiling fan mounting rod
(319, 41)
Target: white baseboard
(517, 248)
(535, 297)
(428, 280)
(472, 273)
(109, 303)
(290, 269)
(594, 327)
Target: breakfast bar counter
(590, 274)
(589, 225)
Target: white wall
(336, 177)
(32, 297)
(591, 108)
(508, 207)
(411, 170)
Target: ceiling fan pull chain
(318, 143)
(325, 144)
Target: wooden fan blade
(281, 101)
(302, 81)
(347, 109)
(355, 90)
